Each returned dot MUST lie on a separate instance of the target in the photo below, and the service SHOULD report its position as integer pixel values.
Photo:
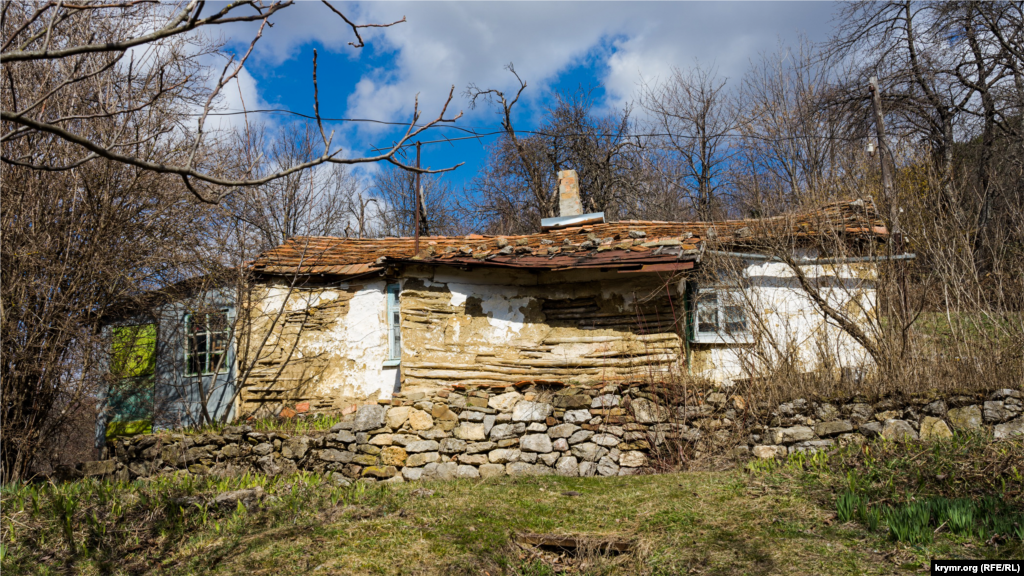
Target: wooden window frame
(209, 353)
(720, 336)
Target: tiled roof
(632, 244)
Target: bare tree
(396, 209)
(695, 118)
(137, 65)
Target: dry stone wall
(535, 429)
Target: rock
(887, 415)
(442, 414)
(472, 459)
(937, 408)
(766, 452)
(871, 429)
(261, 449)
(397, 416)
(607, 467)
(364, 460)
(393, 456)
(492, 470)
(716, 399)
(852, 438)
(588, 451)
(338, 479)
(580, 436)
(826, 412)
(1009, 429)
(369, 417)
(634, 459)
(790, 435)
(452, 446)
(571, 402)
(560, 445)
(811, 446)
(859, 412)
(476, 447)
(934, 429)
(549, 459)
(540, 443)
(833, 428)
(567, 466)
(434, 434)
(99, 467)
(606, 401)
(526, 411)
(647, 412)
(489, 422)
(562, 430)
(537, 427)
(379, 471)
(524, 469)
(412, 474)
(341, 426)
(503, 456)
(898, 430)
(395, 480)
(465, 471)
(471, 416)
(420, 420)
(422, 458)
(381, 440)
(966, 418)
(269, 466)
(577, 416)
(588, 469)
(421, 446)
(332, 455)
(228, 501)
(294, 449)
(505, 431)
(504, 402)
(468, 431)
(445, 471)
(606, 440)
(1005, 393)
(996, 411)
(345, 437)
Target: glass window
(720, 316)
(206, 343)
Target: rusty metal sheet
(666, 267)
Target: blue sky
(615, 46)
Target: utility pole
(416, 242)
(883, 154)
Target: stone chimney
(569, 203)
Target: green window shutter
(134, 351)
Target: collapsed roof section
(630, 246)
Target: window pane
(707, 313)
(735, 319)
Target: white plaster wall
(785, 322)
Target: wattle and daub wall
(536, 429)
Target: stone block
(633, 459)
(576, 416)
(562, 430)
(472, 459)
(393, 456)
(766, 452)
(607, 467)
(504, 402)
(606, 401)
(492, 470)
(452, 446)
(790, 435)
(580, 436)
(261, 449)
(420, 420)
(369, 417)
(505, 431)
(503, 456)
(530, 457)
(99, 467)
(567, 466)
(345, 437)
(421, 446)
(381, 440)
(466, 471)
(471, 416)
(996, 411)
(526, 411)
(1010, 429)
(647, 412)
(412, 474)
(294, 449)
(537, 427)
(834, 428)
(606, 440)
(489, 422)
(524, 469)
(332, 455)
(936, 408)
(540, 443)
(870, 429)
(934, 429)
(468, 431)
(379, 471)
(966, 418)
(560, 445)
(588, 469)
(588, 451)
(549, 459)
(899, 430)
(571, 402)
(859, 412)
(397, 416)
(422, 458)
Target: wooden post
(883, 153)
(416, 242)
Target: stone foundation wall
(533, 429)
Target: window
(206, 341)
(720, 317)
(394, 320)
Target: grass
(778, 518)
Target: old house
(334, 322)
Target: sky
(614, 47)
